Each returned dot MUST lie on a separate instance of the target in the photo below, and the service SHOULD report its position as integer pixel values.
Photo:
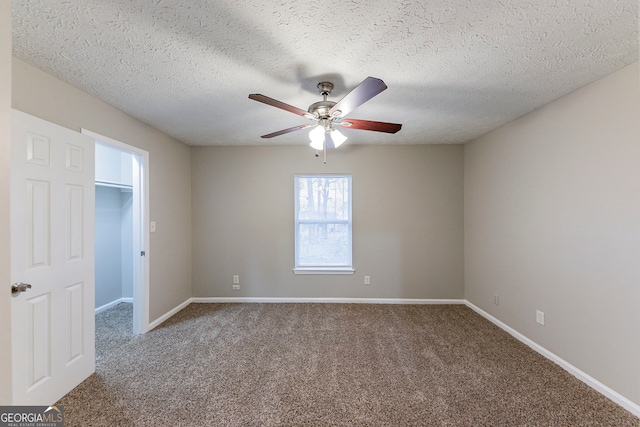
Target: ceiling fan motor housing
(321, 109)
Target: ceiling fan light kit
(338, 138)
(317, 137)
(327, 115)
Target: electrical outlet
(367, 280)
(496, 299)
(236, 279)
(540, 317)
(235, 287)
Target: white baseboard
(582, 376)
(113, 304)
(325, 300)
(168, 314)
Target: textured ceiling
(455, 69)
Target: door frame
(140, 228)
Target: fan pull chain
(324, 148)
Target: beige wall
(44, 96)
(552, 222)
(5, 277)
(407, 221)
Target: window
(323, 224)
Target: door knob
(18, 287)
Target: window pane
(323, 221)
(324, 245)
(324, 197)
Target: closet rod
(113, 184)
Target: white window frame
(311, 269)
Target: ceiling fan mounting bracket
(321, 109)
(325, 88)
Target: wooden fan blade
(371, 125)
(366, 90)
(278, 104)
(289, 130)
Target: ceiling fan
(327, 115)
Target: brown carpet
(326, 365)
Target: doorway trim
(140, 228)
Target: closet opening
(122, 236)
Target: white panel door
(52, 249)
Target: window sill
(333, 270)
